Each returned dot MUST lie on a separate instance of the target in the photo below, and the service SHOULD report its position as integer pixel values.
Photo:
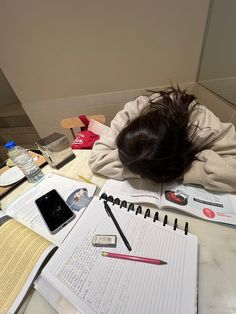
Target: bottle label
(30, 169)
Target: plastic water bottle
(24, 161)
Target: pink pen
(134, 258)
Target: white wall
(218, 66)
(69, 48)
(218, 57)
(46, 115)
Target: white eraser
(104, 240)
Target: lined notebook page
(97, 284)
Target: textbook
(25, 242)
(24, 209)
(190, 199)
(23, 254)
(81, 278)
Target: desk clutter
(190, 199)
(90, 133)
(25, 242)
(23, 159)
(10, 174)
(127, 282)
(56, 150)
(87, 266)
(72, 272)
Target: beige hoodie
(214, 169)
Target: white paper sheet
(25, 210)
(96, 284)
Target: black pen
(110, 214)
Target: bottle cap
(10, 144)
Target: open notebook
(91, 283)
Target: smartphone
(54, 211)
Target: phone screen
(54, 210)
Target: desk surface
(217, 249)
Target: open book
(78, 279)
(23, 253)
(25, 242)
(193, 200)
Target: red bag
(84, 139)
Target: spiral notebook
(79, 275)
(175, 196)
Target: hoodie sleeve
(104, 158)
(215, 167)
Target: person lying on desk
(167, 136)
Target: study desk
(217, 250)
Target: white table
(217, 250)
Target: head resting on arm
(157, 144)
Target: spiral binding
(5, 219)
(138, 210)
